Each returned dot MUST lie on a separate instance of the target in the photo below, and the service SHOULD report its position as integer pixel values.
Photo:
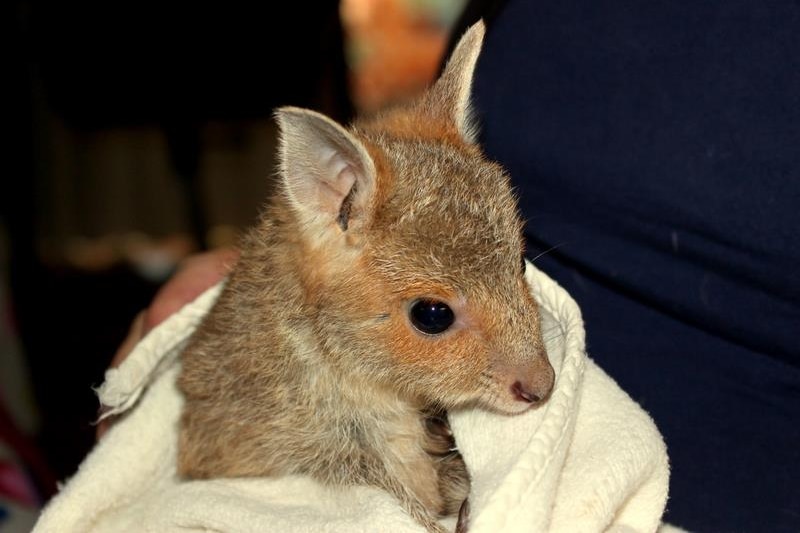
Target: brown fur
(308, 363)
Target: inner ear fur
(326, 171)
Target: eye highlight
(431, 317)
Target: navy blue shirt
(656, 146)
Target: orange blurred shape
(394, 50)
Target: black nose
(523, 395)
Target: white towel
(589, 460)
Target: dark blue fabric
(657, 146)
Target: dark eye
(431, 316)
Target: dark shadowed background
(141, 133)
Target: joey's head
(412, 250)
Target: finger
(135, 334)
(193, 277)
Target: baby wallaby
(383, 286)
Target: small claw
(463, 518)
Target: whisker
(560, 335)
(555, 247)
(551, 328)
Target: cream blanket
(589, 460)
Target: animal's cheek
(457, 355)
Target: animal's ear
(327, 173)
(451, 92)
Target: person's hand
(195, 274)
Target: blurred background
(141, 132)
